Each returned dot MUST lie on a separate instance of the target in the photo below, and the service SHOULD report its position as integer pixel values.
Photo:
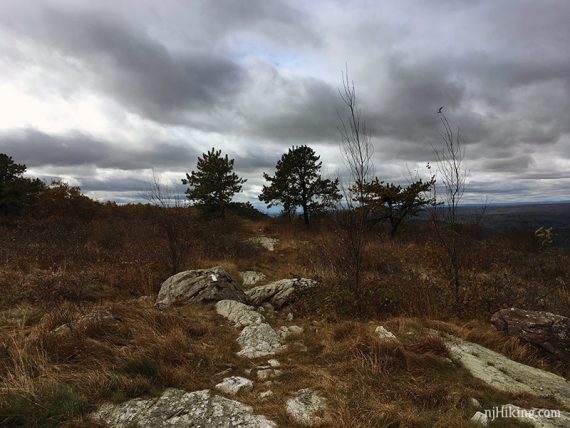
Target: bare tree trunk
(445, 220)
(168, 218)
(357, 151)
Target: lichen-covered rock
(179, 409)
(238, 313)
(306, 407)
(201, 285)
(265, 242)
(546, 330)
(259, 340)
(251, 277)
(507, 375)
(235, 384)
(279, 293)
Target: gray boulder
(179, 409)
(259, 340)
(307, 407)
(548, 331)
(201, 285)
(279, 293)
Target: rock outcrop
(258, 338)
(238, 313)
(250, 277)
(548, 331)
(265, 242)
(507, 375)
(279, 293)
(202, 285)
(307, 407)
(179, 409)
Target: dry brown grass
(54, 272)
(138, 353)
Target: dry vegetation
(59, 268)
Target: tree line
(296, 185)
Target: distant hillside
(529, 217)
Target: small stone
(385, 334)
(306, 407)
(265, 395)
(480, 419)
(274, 363)
(265, 374)
(292, 330)
(268, 307)
(235, 384)
(290, 316)
(475, 403)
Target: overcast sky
(101, 92)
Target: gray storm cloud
(171, 79)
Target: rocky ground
(286, 370)
(247, 341)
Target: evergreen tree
(298, 183)
(388, 201)
(214, 183)
(16, 191)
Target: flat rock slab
(546, 330)
(279, 293)
(259, 340)
(265, 242)
(179, 409)
(201, 285)
(507, 375)
(235, 384)
(250, 277)
(238, 313)
(307, 407)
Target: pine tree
(388, 201)
(16, 191)
(298, 183)
(214, 183)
